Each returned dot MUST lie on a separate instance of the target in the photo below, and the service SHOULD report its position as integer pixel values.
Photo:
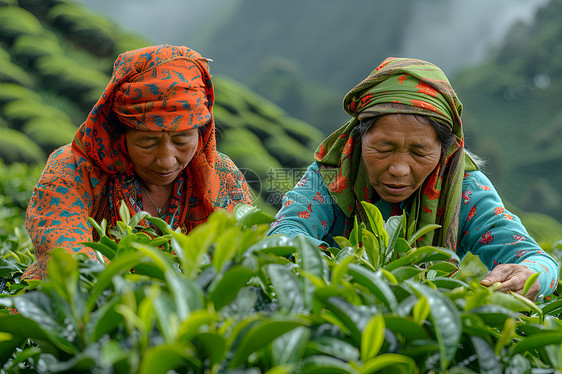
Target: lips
(395, 188)
(165, 175)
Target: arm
(501, 241)
(57, 214)
(306, 210)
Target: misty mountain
(304, 55)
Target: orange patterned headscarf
(160, 88)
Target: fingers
(500, 273)
(512, 278)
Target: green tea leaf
(287, 287)
(310, 260)
(396, 231)
(279, 245)
(124, 213)
(63, 273)
(487, 360)
(371, 247)
(289, 347)
(325, 364)
(421, 232)
(421, 310)
(507, 333)
(342, 242)
(423, 254)
(375, 283)
(226, 247)
(121, 264)
(530, 343)
(377, 223)
(137, 218)
(398, 363)
(405, 327)
(446, 321)
(530, 282)
(372, 337)
(340, 269)
(163, 358)
(224, 291)
(211, 345)
(261, 334)
(251, 215)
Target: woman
(403, 149)
(149, 141)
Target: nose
(165, 157)
(399, 166)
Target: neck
(156, 198)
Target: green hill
(513, 116)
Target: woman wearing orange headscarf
(149, 141)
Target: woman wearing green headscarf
(403, 150)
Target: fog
(450, 33)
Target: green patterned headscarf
(401, 86)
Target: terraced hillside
(55, 60)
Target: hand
(512, 278)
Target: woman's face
(158, 157)
(399, 153)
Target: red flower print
(485, 188)
(427, 210)
(430, 190)
(321, 152)
(302, 182)
(310, 207)
(339, 184)
(325, 224)
(499, 210)
(353, 105)
(507, 216)
(425, 105)
(288, 202)
(471, 213)
(384, 63)
(366, 98)
(466, 196)
(440, 212)
(427, 89)
(348, 148)
(521, 253)
(304, 214)
(486, 238)
(402, 78)
(319, 198)
(365, 193)
(518, 238)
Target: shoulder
(60, 164)
(477, 180)
(232, 180)
(223, 163)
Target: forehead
(402, 126)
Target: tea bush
(226, 299)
